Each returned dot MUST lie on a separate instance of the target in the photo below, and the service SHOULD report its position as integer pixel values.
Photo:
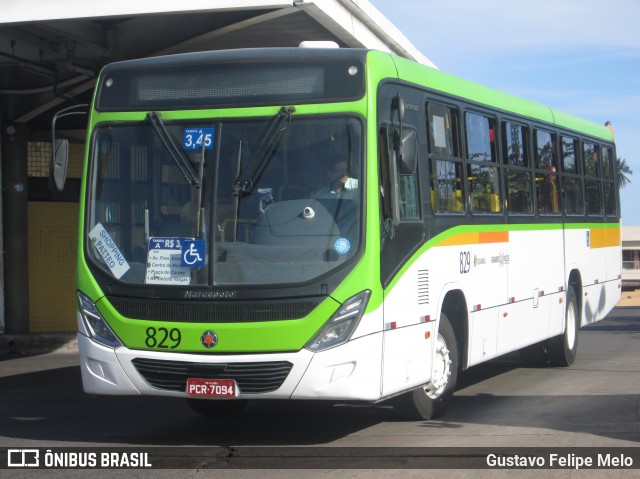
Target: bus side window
(447, 181)
(408, 196)
(610, 203)
(483, 169)
(546, 172)
(592, 178)
(571, 183)
(447, 176)
(516, 162)
(443, 132)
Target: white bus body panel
(600, 270)
(409, 332)
(348, 372)
(515, 291)
(101, 371)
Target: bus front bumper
(351, 371)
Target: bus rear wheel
(432, 400)
(559, 351)
(563, 348)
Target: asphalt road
(595, 403)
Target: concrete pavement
(35, 343)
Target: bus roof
(406, 69)
(465, 89)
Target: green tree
(623, 172)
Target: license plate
(212, 388)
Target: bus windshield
(164, 207)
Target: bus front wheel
(431, 400)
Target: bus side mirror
(60, 153)
(405, 142)
(408, 154)
(60, 160)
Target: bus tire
(218, 408)
(563, 348)
(535, 356)
(432, 400)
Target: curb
(28, 344)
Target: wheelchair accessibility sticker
(193, 252)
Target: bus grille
(251, 378)
(213, 312)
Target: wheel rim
(441, 370)
(571, 325)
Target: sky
(579, 56)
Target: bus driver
(340, 186)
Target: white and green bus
(337, 224)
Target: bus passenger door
(487, 283)
(407, 352)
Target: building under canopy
(50, 56)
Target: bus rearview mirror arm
(398, 104)
(60, 147)
(404, 143)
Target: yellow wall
(53, 231)
(52, 246)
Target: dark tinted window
(515, 144)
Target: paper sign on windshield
(109, 251)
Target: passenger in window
(341, 185)
(548, 192)
(547, 156)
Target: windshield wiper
(200, 187)
(259, 161)
(183, 164)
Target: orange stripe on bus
(460, 239)
(496, 237)
(476, 238)
(604, 237)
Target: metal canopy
(51, 52)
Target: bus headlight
(97, 327)
(340, 327)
